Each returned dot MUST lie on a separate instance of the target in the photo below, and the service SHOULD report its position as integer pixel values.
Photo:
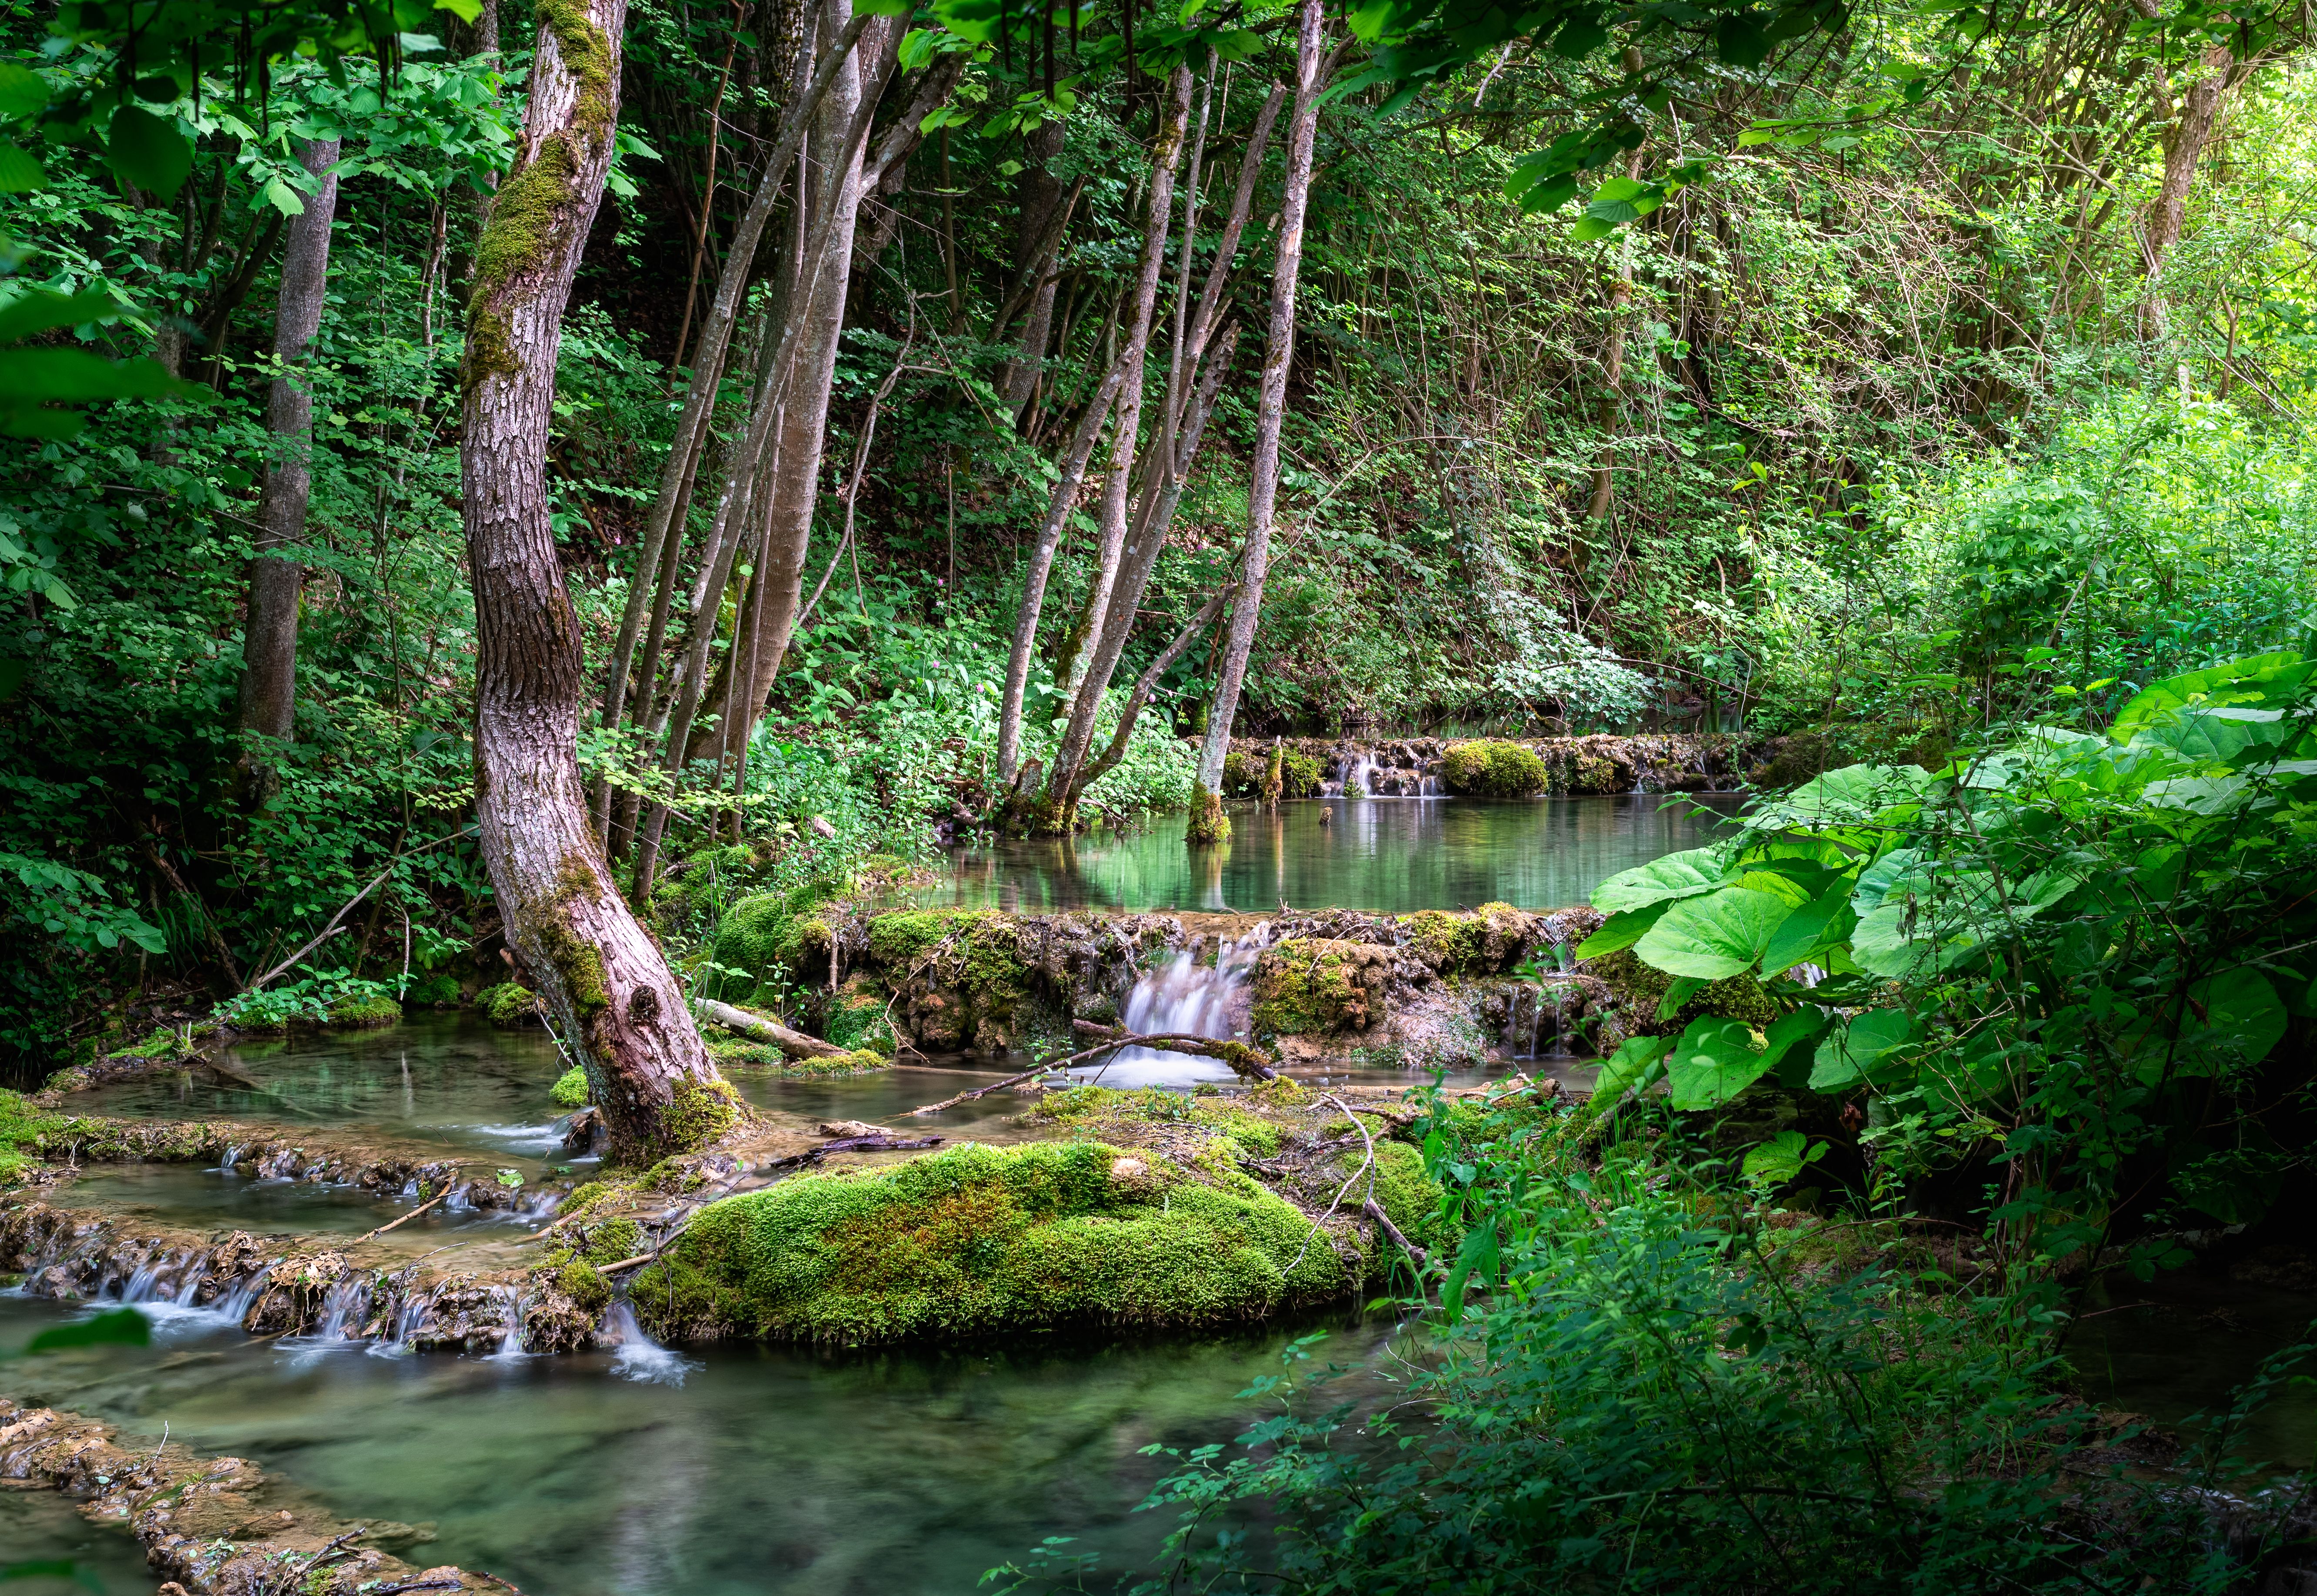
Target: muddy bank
(217, 1526)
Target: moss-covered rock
(1491, 768)
(570, 1088)
(777, 938)
(366, 1013)
(508, 1005)
(959, 977)
(1208, 823)
(1308, 986)
(978, 1240)
(855, 1017)
(1641, 990)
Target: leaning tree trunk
(268, 642)
(2184, 147)
(604, 982)
(1263, 485)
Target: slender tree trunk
(1039, 194)
(2184, 147)
(665, 518)
(1611, 416)
(1111, 519)
(793, 490)
(606, 987)
(1263, 486)
(268, 648)
(1062, 502)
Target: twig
(1366, 1164)
(1374, 1210)
(421, 1208)
(331, 930)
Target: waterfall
(638, 1357)
(1358, 775)
(511, 1348)
(1185, 996)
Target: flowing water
(766, 1470)
(1388, 855)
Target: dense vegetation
(1928, 388)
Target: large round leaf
(1676, 875)
(1720, 934)
(1715, 1060)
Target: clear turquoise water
(770, 1471)
(1389, 855)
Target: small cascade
(346, 1314)
(1357, 776)
(510, 1349)
(1190, 999)
(636, 1356)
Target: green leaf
(1628, 1067)
(1849, 1052)
(1680, 992)
(1809, 931)
(283, 197)
(43, 310)
(2250, 681)
(122, 1327)
(1715, 1059)
(1781, 1159)
(466, 11)
(1621, 931)
(1589, 227)
(22, 92)
(20, 173)
(147, 151)
(2241, 1019)
(1712, 937)
(1675, 876)
(34, 375)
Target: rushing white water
(167, 1291)
(1187, 998)
(638, 1357)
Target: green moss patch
(570, 1088)
(1314, 985)
(507, 1004)
(366, 1013)
(1491, 768)
(978, 1240)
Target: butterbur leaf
(1855, 1047)
(1809, 930)
(20, 173)
(22, 92)
(1621, 931)
(1714, 937)
(1678, 993)
(1781, 1159)
(1716, 1059)
(1630, 1067)
(147, 151)
(1687, 873)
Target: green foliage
(319, 998)
(976, 1240)
(570, 1088)
(1491, 768)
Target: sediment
(217, 1526)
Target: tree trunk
(1040, 196)
(1611, 416)
(605, 985)
(2184, 147)
(1111, 519)
(269, 648)
(1263, 485)
(792, 491)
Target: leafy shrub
(1491, 768)
(316, 1000)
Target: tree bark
(792, 491)
(1039, 194)
(602, 980)
(1111, 519)
(1611, 416)
(269, 646)
(1263, 486)
(2184, 147)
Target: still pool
(1391, 856)
(766, 1470)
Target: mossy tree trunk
(601, 977)
(269, 648)
(1263, 473)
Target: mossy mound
(507, 1004)
(1245, 775)
(21, 1126)
(570, 1088)
(366, 1013)
(960, 977)
(437, 991)
(778, 938)
(734, 1056)
(855, 1017)
(1486, 941)
(1491, 768)
(1312, 985)
(978, 1240)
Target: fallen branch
(1374, 1210)
(1248, 1060)
(448, 1180)
(1366, 1163)
(794, 1044)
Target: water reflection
(1390, 855)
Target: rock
(849, 1127)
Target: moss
(1242, 776)
(1299, 775)
(1491, 768)
(1310, 986)
(613, 1242)
(21, 1126)
(507, 1004)
(1091, 1109)
(856, 1018)
(703, 1111)
(530, 202)
(366, 1013)
(585, 1285)
(1404, 1190)
(579, 962)
(437, 991)
(978, 1240)
(860, 1061)
(162, 1043)
(966, 981)
(570, 1088)
(1208, 823)
(1451, 943)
